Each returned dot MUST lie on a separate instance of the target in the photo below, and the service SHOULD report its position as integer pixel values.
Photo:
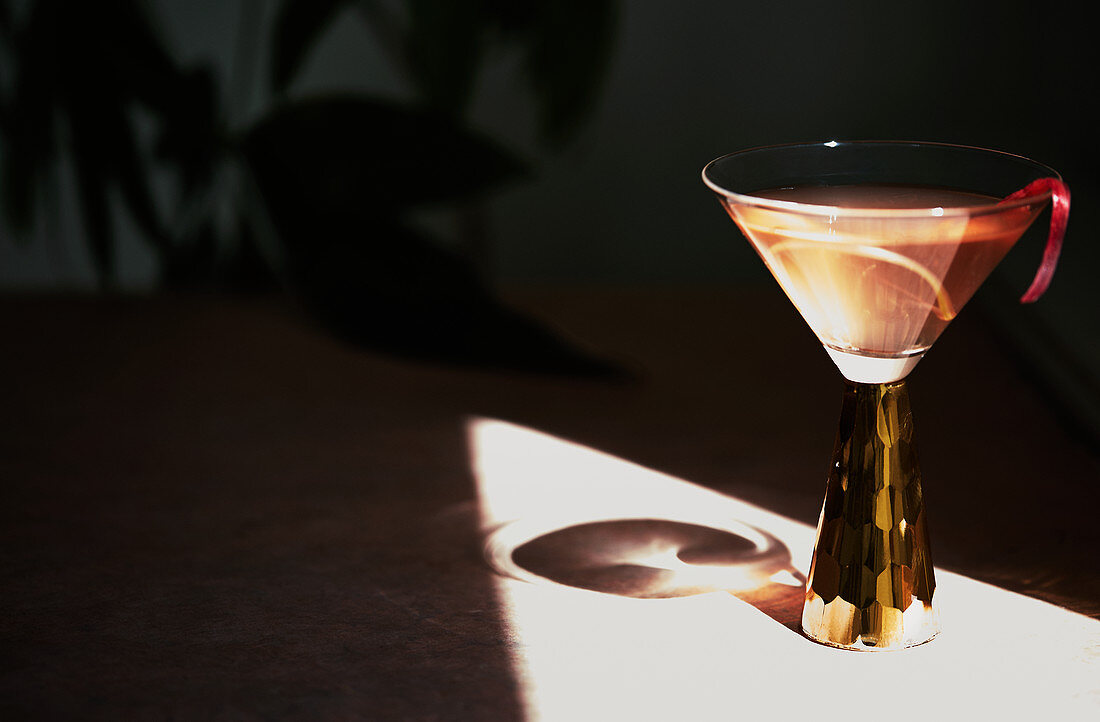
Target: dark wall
(692, 81)
(686, 82)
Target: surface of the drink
(880, 196)
(875, 284)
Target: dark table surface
(212, 509)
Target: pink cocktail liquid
(880, 270)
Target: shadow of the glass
(655, 559)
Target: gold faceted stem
(871, 581)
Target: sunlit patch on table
(628, 593)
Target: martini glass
(878, 245)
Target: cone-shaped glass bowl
(878, 245)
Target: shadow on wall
(318, 195)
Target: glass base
(871, 581)
(840, 624)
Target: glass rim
(832, 210)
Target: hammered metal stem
(871, 581)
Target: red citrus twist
(1059, 217)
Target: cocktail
(879, 245)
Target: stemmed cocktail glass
(879, 245)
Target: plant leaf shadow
(655, 559)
